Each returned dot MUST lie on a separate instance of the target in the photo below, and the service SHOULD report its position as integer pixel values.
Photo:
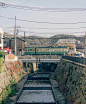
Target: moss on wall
(72, 81)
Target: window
(26, 50)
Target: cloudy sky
(44, 17)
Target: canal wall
(10, 74)
(72, 81)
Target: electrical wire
(5, 5)
(42, 22)
(45, 28)
(50, 32)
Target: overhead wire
(5, 5)
(44, 9)
(45, 28)
(43, 22)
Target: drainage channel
(37, 90)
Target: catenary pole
(15, 36)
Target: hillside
(44, 41)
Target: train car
(46, 50)
(29, 50)
(51, 50)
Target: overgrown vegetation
(1, 54)
(40, 70)
(1, 59)
(9, 88)
(72, 82)
(9, 91)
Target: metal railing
(80, 60)
(40, 56)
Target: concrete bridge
(40, 60)
(35, 60)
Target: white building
(68, 43)
(1, 35)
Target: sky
(44, 18)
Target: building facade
(20, 45)
(1, 38)
(70, 43)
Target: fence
(80, 60)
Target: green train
(46, 50)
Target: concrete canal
(37, 90)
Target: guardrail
(40, 56)
(41, 60)
(80, 60)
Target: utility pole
(17, 31)
(24, 41)
(15, 35)
(24, 35)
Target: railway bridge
(39, 59)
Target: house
(20, 45)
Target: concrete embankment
(72, 81)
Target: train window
(28, 50)
(56, 50)
(33, 49)
(25, 49)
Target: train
(46, 50)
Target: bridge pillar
(35, 67)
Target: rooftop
(66, 41)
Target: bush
(9, 91)
(40, 70)
(1, 54)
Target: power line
(42, 22)
(31, 32)
(45, 28)
(5, 5)
(51, 33)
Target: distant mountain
(6, 34)
(43, 41)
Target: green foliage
(1, 60)
(16, 66)
(1, 54)
(40, 70)
(9, 91)
(64, 62)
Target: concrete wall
(72, 81)
(80, 60)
